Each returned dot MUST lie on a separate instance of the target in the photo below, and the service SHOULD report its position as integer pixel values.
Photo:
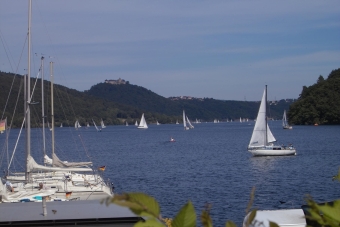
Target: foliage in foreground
(147, 207)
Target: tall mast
(28, 95)
(266, 137)
(52, 109)
(43, 104)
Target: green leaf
(186, 217)
(139, 203)
(230, 224)
(206, 219)
(149, 223)
(331, 210)
(148, 203)
(273, 224)
(251, 216)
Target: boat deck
(80, 213)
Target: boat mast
(266, 137)
(28, 92)
(52, 109)
(42, 104)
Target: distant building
(185, 98)
(119, 81)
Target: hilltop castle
(119, 81)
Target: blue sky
(218, 49)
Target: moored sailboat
(262, 139)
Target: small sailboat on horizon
(285, 124)
(184, 122)
(102, 124)
(142, 124)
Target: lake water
(209, 164)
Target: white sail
(259, 137)
(157, 122)
(177, 122)
(270, 136)
(184, 121)
(142, 123)
(189, 123)
(61, 125)
(102, 124)
(136, 124)
(126, 123)
(285, 124)
(94, 123)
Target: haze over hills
(117, 103)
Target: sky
(226, 50)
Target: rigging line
(81, 139)
(16, 72)
(23, 120)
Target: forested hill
(69, 105)
(206, 109)
(319, 103)
(116, 104)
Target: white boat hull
(272, 152)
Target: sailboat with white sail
(77, 125)
(285, 124)
(102, 124)
(184, 122)
(189, 123)
(98, 129)
(262, 139)
(142, 123)
(62, 178)
(136, 124)
(177, 122)
(157, 123)
(126, 123)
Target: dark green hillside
(136, 96)
(69, 105)
(319, 103)
(206, 109)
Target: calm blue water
(209, 164)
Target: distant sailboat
(136, 124)
(126, 123)
(77, 125)
(285, 124)
(240, 120)
(88, 124)
(48, 125)
(98, 129)
(142, 124)
(61, 125)
(102, 124)
(177, 122)
(189, 123)
(184, 122)
(157, 123)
